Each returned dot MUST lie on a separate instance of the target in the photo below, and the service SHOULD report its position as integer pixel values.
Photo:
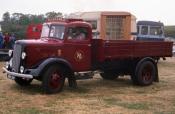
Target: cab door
(77, 47)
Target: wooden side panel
(123, 49)
(154, 49)
(118, 49)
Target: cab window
(144, 30)
(155, 31)
(57, 31)
(77, 33)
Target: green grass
(79, 90)
(136, 106)
(164, 113)
(32, 110)
(111, 101)
(27, 111)
(96, 96)
(128, 105)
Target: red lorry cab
(34, 31)
(67, 49)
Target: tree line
(170, 31)
(17, 22)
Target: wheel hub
(147, 74)
(55, 80)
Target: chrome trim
(17, 74)
(16, 63)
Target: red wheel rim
(55, 80)
(147, 74)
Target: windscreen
(53, 31)
(45, 31)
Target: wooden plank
(133, 49)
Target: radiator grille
(16, 57)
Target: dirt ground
(93, 96)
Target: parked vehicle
(67, 50)
(150, 30)
(109, 25)
(34, 31)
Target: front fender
(38, 71)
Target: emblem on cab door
(79, 55)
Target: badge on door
(79, 55)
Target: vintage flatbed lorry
(67, 50)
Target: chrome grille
(16, 57)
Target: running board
(83, 76)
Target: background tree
(170, 31)
(18, 22)
(6, 23)
(6, 17)
(53, 14)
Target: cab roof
(150, 23)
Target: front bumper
(18, 74)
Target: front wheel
(22, 81)
(145, 73)
(53, 79)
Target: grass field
(94, 96)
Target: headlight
(10, 53)
(23, 56)
(7, 65)
(10, 63)
(21, 69)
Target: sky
(155, 10)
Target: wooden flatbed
(127, 49)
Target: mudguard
(36, 72)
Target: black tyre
(145, 73)
(134, 79)
(109, 75)
(53, 79)
(22, 81)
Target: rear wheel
(134, 79)
(145, 73)
(109, 75)
(22, 81)
(53, 79)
